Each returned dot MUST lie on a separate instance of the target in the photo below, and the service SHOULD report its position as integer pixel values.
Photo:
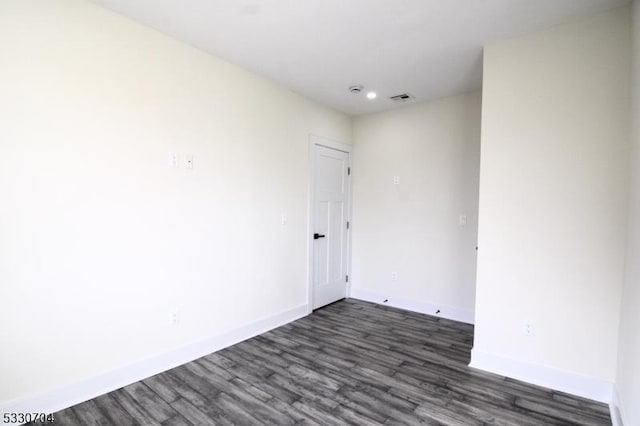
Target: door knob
(316, 236)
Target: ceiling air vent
(403, 97)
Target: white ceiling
(318, 48)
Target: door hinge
(348, 171)
(347, 278)
(347, 224)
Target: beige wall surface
(412, 228)
(628, 378)
(100, 238)
(554, 195)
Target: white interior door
(330, 244)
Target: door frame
(328, 143)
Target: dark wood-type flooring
(349, 363)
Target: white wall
(628, 377)
(99, 238)
(553, 203)
(412, 228)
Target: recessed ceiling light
(371, 95)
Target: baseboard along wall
(61, 398)
(615, 409)
(443, 311)
(541, 375)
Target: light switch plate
(173, 160)
(188, 161)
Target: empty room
(368, 212)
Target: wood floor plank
(113, 411)
(239, 413)
(89, 414)
(195, 382)
(192, 414)
(547, 408)
(163, 386)
(367, 403)
(240, 397)
(291, 411)
(252, 390)
(351, 362)
(64, 417)
(184, 390)
(446, 415)
(279, 392)
(345, 376)
(352, 417)
(601, 411)
(317, 414)
(133, 407)
(146, 398)
(178, 420)
(493, 415)
(319, 396)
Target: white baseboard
(59, 399)
(615, 409)
(560, 380)
(443, 311)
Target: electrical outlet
(529, 330)
(396, 180)
(394, 276)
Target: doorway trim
(313, 142)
